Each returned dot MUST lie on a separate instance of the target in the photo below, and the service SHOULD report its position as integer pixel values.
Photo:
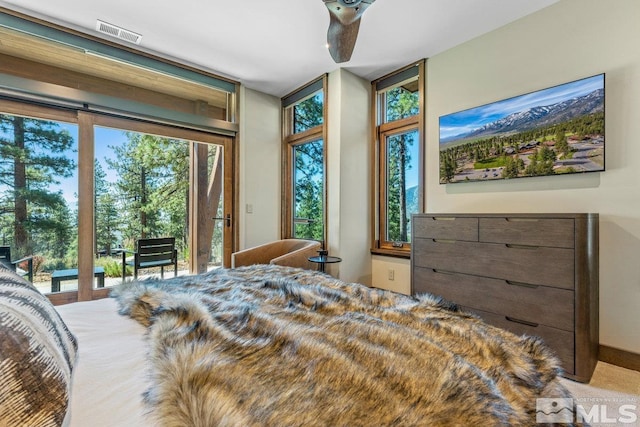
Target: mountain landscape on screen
(540, 116)
(554, 131)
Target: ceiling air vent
(118, 32)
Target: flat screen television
(553, 131)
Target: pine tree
(34, 154)
(561, 145)
(309, 171)
(106, 212)
(401, 103)
(152, 186)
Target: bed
(267, 346)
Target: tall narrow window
(399, 148)
(401, 155)
(304, 210)
(308, 188)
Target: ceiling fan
(343, 27)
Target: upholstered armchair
(288, 252)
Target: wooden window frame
(381, 129)
(289, 141)
(399, 127)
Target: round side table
(323, 259)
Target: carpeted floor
(616, 393)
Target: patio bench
(70, 274)
(151, 253)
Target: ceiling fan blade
(344, 25)
(341, 39)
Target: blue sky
(105, 137)
(473, 118)
(412, 174)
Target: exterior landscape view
(558, 130)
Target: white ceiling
(275, 46)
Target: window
(112, 147)
(308, 188)
(39, 191)
(401, 178)
(147, 184)
(144, 185)
(399, 147)
(304, 153)
(308, 114)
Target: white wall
(567, 41)
(348, 175)
(259, 165)
(393, 274)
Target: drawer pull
(443, 241)
(523, 322)
(530, 248)
(521, 219)
(443, 272)
(523, 285)
(443, 218)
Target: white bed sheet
(110, 372)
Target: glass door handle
(226, 219)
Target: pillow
(37, 355)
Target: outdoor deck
(44, 282)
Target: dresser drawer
(535, 304)
(527, 264)
(446, 227)
(552, 232)
(559, 341)
(490, 275)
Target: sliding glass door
(155, 181)
(211, 218)
(38, 191)
(78, 189)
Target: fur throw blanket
(279, 346)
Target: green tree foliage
(513, 166)
(309, 190)
(149, 197)
(107, 212)
(308, 113)
(34, 155)
(152, 186)
(541, 162)
(398, 163)
(400, 103)
(499, 145)
(447, 167)
(53, 230)
(561, 145)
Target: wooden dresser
(534, 274)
